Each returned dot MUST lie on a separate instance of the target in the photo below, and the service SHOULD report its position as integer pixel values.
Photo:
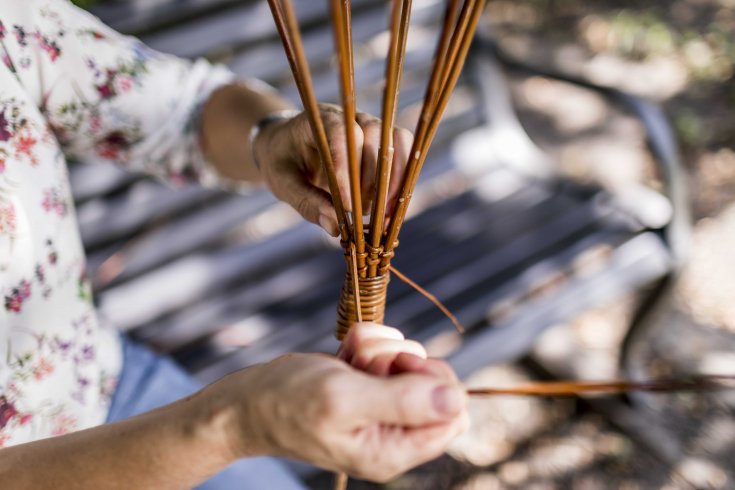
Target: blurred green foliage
(84, 3)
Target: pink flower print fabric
(70, 87)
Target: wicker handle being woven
(372, 291)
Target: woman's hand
(291, 167)
(404, 410)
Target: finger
(381, 365)
(368, 350)
(419, 445)
(312, 203)
(391, 364)
(360, 332)
(369, 163)
(402, 141)
(401, 449)
(407, 363)
(409, 400)
(338, 147)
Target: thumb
(312, 203)
(413, 400)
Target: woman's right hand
(403, 410)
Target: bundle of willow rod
(369, 251)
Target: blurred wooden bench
(222, 281)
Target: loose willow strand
(430, 297)
(356, 284)
(340, 481)
(422, 142)
(574, 388)
(288, 29)
(341, 18)
(400, 20)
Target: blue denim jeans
(149, 380)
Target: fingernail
(328, 224)
(447, 400)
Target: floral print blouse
(71, 88)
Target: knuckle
(360, 359)
(372, 127)
(303, 206)
(334, 403)
(332, 119)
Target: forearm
(229, 115)
(175, 447)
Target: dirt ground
(680, 53)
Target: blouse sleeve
(108, 97)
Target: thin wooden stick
(423, 139)
(356, 285)
(341, 18)
(453, 47)
(400, 20)
(430, 297)
(457, 63)
(447, 37)
(288, 29)
(574, 388)
(340, 481)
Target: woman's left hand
(391, 410)
(290, 165)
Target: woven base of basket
(372, 301)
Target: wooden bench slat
(106, 220)
(637, 262)
(240, 26)
(267, 61)
(154, 293)
(207, 316)
(174, 238)
(92, 180)
(134, 16)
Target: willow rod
(448, 33)
(340, 481)
(433, 89)
(423, 140)
(574, 388)
(288, 29)
(457, 62)
(454, 46)
(341, 18)
(400, 20)
(436, 81)
(433, 299)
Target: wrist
(266, 124)
(229, 412)
(209, 421)
(227, 118)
